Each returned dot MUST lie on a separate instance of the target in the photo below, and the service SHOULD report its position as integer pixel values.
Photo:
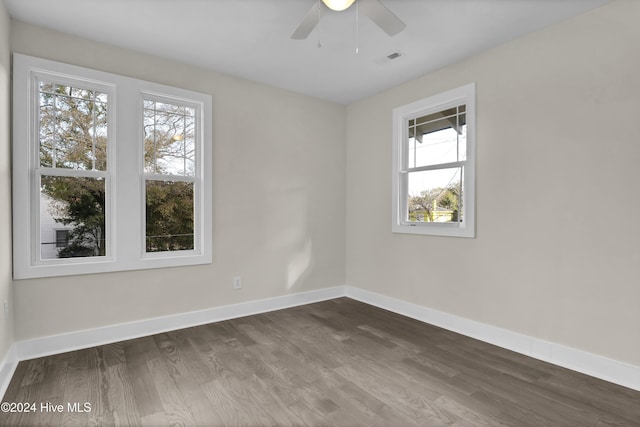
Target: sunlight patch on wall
(300, 264)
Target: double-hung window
(110, 173)
(71, 181)
(170, 134)
(434, 165)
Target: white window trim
(401, 116)
(198, 214)
(125, 247)
(35, 173)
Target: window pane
(169, 108)
(437, 138)
(47, 129)
(149, 139)
(435, 195)
(462, 138)
(75, 207)
(100, 135)
(449, 112)
(72, 127)
(169, 216)
(170, 144)
(169, 139)
(189, 145)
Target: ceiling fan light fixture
(338, 5)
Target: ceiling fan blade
(382, 17)
(308, 23)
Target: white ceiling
(251, 38)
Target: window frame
(197, 184)
(401, 116)
(38, 171)
(125, 164)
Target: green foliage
(423, 207)
(169, 216)
(79, 202)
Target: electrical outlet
(6, 309)
(237, 282)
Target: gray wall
(6, 325)
(279, 200)
(557, 252)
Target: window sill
(434, 229)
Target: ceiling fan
(374, 9)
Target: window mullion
(155, 142)
(458, 129)
(461, 206)
(54, 140)
(72, 173)
(434, 167)
(184, 144)
(160, 177)
(93, 129)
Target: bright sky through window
(436, 147)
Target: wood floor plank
(583, 387)
(413, 405)
(186, 373)
(35, 371)
(332, 363)
(173, 402)
(122, 397)
(239, 402)
(23, 394)
(157, 419)
(193, 359)
(515, 415)
(137, 354)
(371, 410)
(53, 387)
(114, 354)
(98, 377)
(77, 387)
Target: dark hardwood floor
(338, 362)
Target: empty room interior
(305, 212)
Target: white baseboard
(591, 364)
(7, 368)
(577, 360)
(55, 344)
